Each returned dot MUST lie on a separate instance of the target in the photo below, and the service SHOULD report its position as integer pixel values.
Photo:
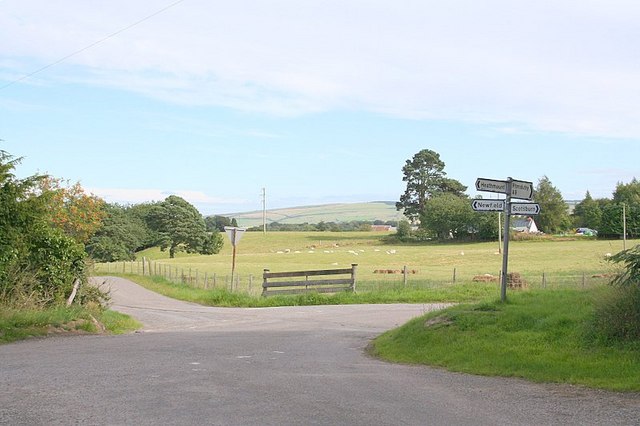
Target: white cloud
(562, 66)
(136, 196)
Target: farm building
(383, 228)
(524, 224)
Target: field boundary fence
(184, 275)
(378, 280)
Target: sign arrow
(524, 209)
(488, 205)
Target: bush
(617, 315)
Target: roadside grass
(19, 324)
(542, 336)
(464, 292)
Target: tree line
(437, 207)
(49, 228)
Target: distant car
(587, 232)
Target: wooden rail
(275, 283)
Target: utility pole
(624, 226)
(264, 210)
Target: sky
(318, 101)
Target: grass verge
(542, 336)
(24, 323)
(220, 297)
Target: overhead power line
(39, 70)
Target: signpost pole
(233, 258)
(505, 251)
(234, 234)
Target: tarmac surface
(267, 366)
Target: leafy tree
(122, 234)
(404, 230)
(217, 222)
(588, 213)
(447, 215)
(38, 263)
(553, 215)
(613, 224)
(71, 209)
(181, 227)
(486, 225)
(143, 213)
(425, 178)
(627, 193)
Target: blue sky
(318, 101)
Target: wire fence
(379, 280)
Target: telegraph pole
(624, 226)
(264, 210)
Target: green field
(552, 264)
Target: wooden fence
(273, 283)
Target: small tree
(71, 209)
(447, 215)
(403, 231)
(553, 216)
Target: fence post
(205, 280)
(404, 273)
(454, 275)
(544, 280)
(264, 281)
(354, 267)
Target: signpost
(234, 235)
(512, 189)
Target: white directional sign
(519, 189)
(488, 205)
(491, 185)
(524, 209)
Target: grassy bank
(541, 336)
(19, 324)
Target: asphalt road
(275, 366)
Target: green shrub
(617, 315)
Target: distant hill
(344, 212)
